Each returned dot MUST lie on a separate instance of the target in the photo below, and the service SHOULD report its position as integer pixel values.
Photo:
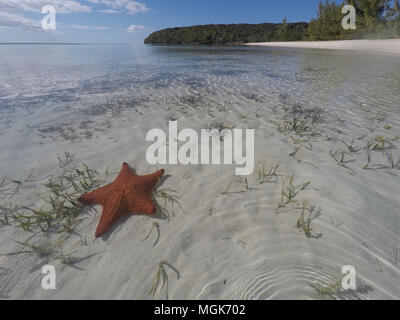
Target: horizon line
(68, 43)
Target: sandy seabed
(227, 238)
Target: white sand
(381, 46)
(224, 246)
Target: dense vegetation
(375, 19)
(230, 34)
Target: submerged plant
(332, 290)
(155, 226)
(350, 147)
(296, 124)
(289, 192)
(11, 187)
(380, 147)
(68, 259)
(6, 213)
(380, 143)
(339, 157)
(394, 164)
(267, 176)
(161, 278)
(60, 214)
(307, 215)
(117, 104)
(71, 260)
(388, 127)
(228, 187)
(302, 160)
(301, 121)
(168, 196)
(42, 250)
(228, 190)
(301, 143)
(246, 184)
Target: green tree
(282, 33)
(370, 13)
(393, 16)
(328, 25)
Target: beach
(323, 194)
(379, 46)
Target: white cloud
(62, 6)
(133, 28)
(75, 6)
(17, 21)
(132, 7)
(11, 11)
(80, 27)
(108, 11)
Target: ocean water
(70, 97)
(31, 75)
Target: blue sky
(131, 21)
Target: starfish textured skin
(129, 193)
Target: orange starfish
(129, 193)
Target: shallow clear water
(55, 97)
(65, 72)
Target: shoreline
(391, 46)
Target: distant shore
(382, 46)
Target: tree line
(374, 19)
(230, 34)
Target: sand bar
(382, 46)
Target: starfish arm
(97, 196)
(140, 205)
(126, 172)
(113, 209)
(150, 177)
